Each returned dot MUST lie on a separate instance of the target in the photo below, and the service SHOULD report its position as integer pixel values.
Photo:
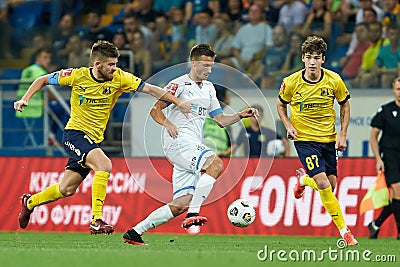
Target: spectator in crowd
(79, 54)
(90, 5)
(293, 60)
(255, 138)
(5, 49)
(385, 124)
(351, 64)
(131, 24)
(168, 45)
(388, 59)
(194, 7)
(392, 13)
(206, 29)
(318, 21)
(28, 75)
(250, 41)
(143, 11)
(222, 43)
(39, 42)
(121, 42)
(142, 56)
(236, 14)
(60, 37)
(365, 78)
(292, 15)
(95, 31)
(165, 6)
(364, 4)
(271, 13)
(369, 16)
(273, 59)
(215, 137)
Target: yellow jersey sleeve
(341, 92)
(129, 82)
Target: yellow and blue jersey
(311, 104)
(92, 100)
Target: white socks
(203, 188)
(156, 218)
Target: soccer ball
(241, 213)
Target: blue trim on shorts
(184, 188)
(201, 155)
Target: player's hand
(250, 112)
(341, 144)
(19, 104)
(185, 107)
(171, 129)
(291, 133)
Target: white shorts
(188, 160)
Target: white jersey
(190, 129)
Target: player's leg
(320, 160)
(101, 165)
(158, 217)
(326, 184)
(67, 187)
(212, 167)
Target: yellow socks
(50, 194)
(99, 193)
(307, 180)
(332, 206)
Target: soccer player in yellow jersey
(311, 93)
(94, 92)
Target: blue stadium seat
(10, 74)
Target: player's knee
(106, 166)
(178, 210)
(67, 191)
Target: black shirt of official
(387, 119)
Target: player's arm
(224, 120)
(344, 124)
(33, 89)
(158, 116)
(283, 115)
(184, 106)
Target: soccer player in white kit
(196, 167)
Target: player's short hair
(395, 81)
(101, 50)
(201, 50)
(314, 44)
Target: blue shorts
(317, 157)
(77, 145)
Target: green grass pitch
(164, 250)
